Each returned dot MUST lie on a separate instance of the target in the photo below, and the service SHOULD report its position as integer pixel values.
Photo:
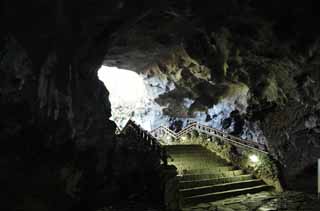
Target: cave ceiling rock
(141, 50)
(221, 50)
(210, 95)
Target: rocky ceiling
(53, 105)
(212, 53)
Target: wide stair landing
(205, 177)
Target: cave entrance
(132, 96)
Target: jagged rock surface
(208, 62)
(56, 139)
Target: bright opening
(254, 158)
(125, 87)
(127, 92)
(132, 96)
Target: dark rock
(226, 123)
(58, 149)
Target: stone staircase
(205, 177)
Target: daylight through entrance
(132, 96)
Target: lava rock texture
(57, 144)
(213, 50)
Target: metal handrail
(211, 132)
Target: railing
(131, 128)
(162, 131)
(118, 130)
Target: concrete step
(179, 146)
(209, 170)
(196, 165)
(196, 156)
(185, 148)
(206, 177)
(207, 182)
(188, 177)
(198, 160)
(188, 152)
(203, 169)
(188, 169)
(220, 187)
(193, 200)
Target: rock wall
(203, 48)
(58, 150)
(55, 133)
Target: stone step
(194, 155)
(195, 162)
(193, 200)
(205, 177)
(185, 148)
(220, 187)
(209, 170)
(197, 157)
(188, 177)
(203, 169)
(183, 170)
(189, 152)
(179, 146)
(196, 165)
(207, 182)
(208, 155)
(198, 160)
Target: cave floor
(263, 201)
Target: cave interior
(83, 82)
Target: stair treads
(185, 167)
(182, 146)
(185, 147)
(220, 187)
(206, 177)
(197, 159)
(187, 201)
(211, 176)
(207, 182)
(208, 170)
(194, 154)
